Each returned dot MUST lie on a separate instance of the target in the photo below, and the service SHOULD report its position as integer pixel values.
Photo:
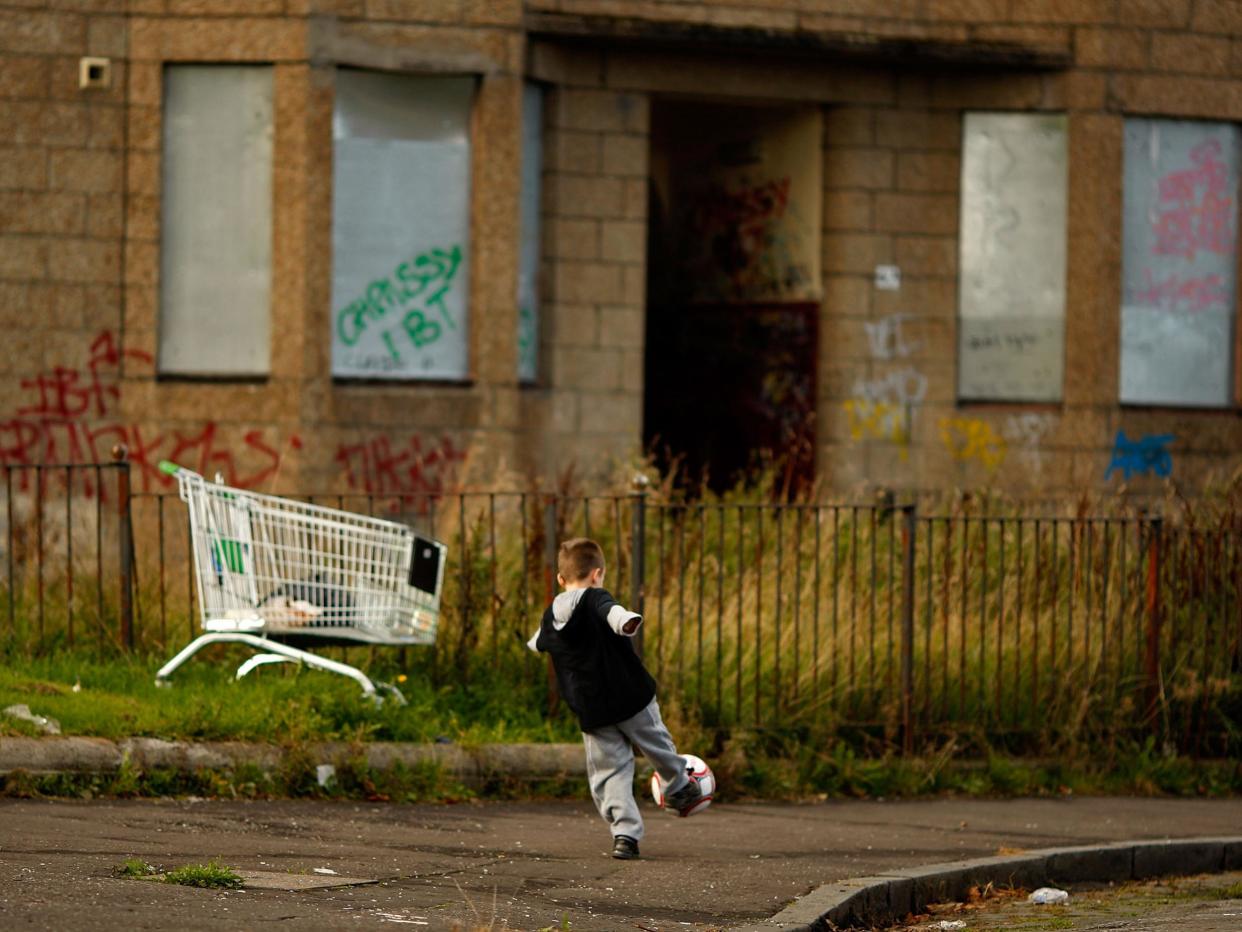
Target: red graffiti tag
(743, 207)
(67, 420)
(416, 468)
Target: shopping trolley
(281, 575)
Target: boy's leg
(610, 772)
(647, 731)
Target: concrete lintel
(332, 42)
(638, 32)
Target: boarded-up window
(529, 242)
(1011, 323)
(216, 221)
(400, 224)
(1178, 265)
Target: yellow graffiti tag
(876, 420)
(968, 438)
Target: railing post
(908, 526)
(125, 545)
(638, 564)
(550, 547)
(1151, 665)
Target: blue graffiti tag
(1148, 455)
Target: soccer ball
(698, 770)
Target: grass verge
(296, 708)
(118, 698)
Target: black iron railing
(878, 617)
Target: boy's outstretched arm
(619, 618)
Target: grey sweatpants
(610, 766)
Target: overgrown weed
(212, 875)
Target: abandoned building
(409, 245)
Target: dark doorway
(731, 390)
(732, 289)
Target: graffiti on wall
(882, 408)
(1025, 433)
(1178, 261)
(1194, 210)
(746, 249)
(528, 342)
(1149, 455)
(70, 416)
(969, 439)
(1177, 293)
(407, 306)
(1191, 212)
(743, 192)
(414, 465)
(886, 340)
(876, 420)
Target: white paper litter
(325, 774)
(1046, 896)
(49, 726)
(324, 870)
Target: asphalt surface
(512, 865)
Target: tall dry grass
(777, 611)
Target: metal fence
(905, 626)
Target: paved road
(514, 865)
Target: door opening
(733, 287)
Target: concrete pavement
(515, 865)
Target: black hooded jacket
(599, 675)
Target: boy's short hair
(578, 557)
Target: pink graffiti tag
(1203, 293)
(1187, 221)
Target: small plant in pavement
(135, 867)
(212, 874)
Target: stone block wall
(80, 221)
(594, 221)
(892, 170)
(80, 214)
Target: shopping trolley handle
(186, 478)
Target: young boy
(605, 684)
